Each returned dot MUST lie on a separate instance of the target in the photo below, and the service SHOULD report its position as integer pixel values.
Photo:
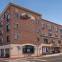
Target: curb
(52, 55)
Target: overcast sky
(49, 9)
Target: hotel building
(24, 33)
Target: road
(52, 59)
(48, 59)
(41, 59)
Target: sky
(50, 10)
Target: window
(7, 16)
(49, 34)
(45, 50)
(20, 16)
(8, 27)
(37, 21)
(38, 39)
(7, 53)
(0, 40)
(16, 26)
(38, 31)
(8, 39)
(0, 32)
(33, 21)
(46, 41)
(16, 35)
(2, 52)
(60, 30)
(52, 41)
(0, 26)
(59, 41)
(61, 36)
(56, 35)
(43, 26)
(50, 27)
(56, 29)
(17, 15)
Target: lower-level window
(7, 54)
(45, 50)
(4, 53)
(8, 38)
(45, 41)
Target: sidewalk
(57, 54)
(45, 56)
(38, 57)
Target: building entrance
(28, 49)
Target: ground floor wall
(16, 50)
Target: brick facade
(20, 27)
